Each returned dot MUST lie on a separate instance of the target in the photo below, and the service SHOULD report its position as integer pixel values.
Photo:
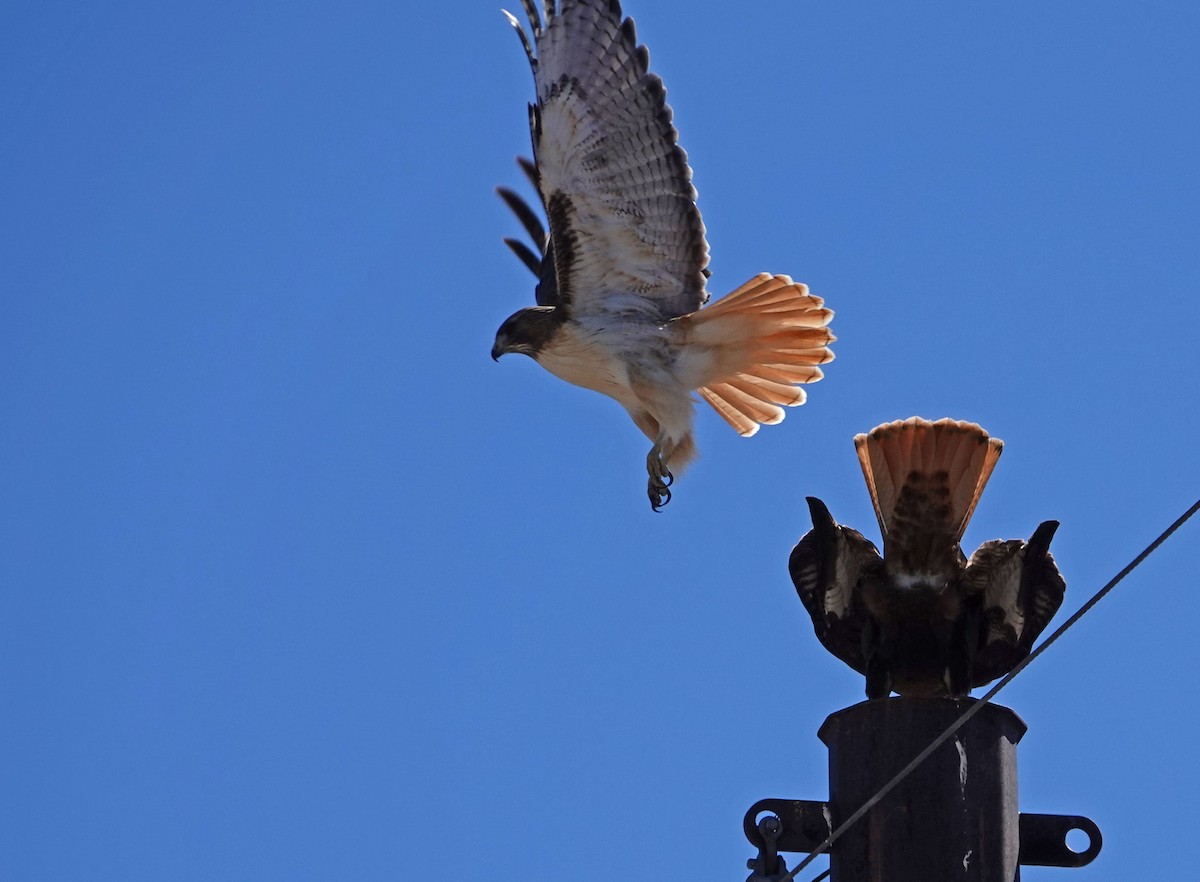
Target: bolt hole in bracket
(805, 824)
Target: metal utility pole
(954, 818)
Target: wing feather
(525, 44)
(525, 254)
(529, 220)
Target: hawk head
(527, 331)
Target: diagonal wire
(979, 705)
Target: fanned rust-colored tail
(927, 476)
(767, 338)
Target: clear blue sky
(297, 584)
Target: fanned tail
(926, 476)
(766, 338)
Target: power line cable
(991, 693)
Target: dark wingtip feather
(525, 254)
(531, 172)
(535, 124)
(1042, 536)
(531, 13)
(525, 44)
(822, 520)
(529, 220)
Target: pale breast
(584, 360)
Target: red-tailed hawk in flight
(922, 619)
(622, 271)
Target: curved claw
(659, 495)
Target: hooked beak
(497, 352)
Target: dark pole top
(920, 719)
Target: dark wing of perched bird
(1021, 590)
(614, 182)
(541, 260)
(830, 567)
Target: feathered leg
(878, 649)
(959, 652)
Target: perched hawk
(622, 270)
(922, 619)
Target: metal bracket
(805, 824)
(1044, 840)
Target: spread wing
(615, 183)
(1021, 590)
(541, 260)
(830, 566)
